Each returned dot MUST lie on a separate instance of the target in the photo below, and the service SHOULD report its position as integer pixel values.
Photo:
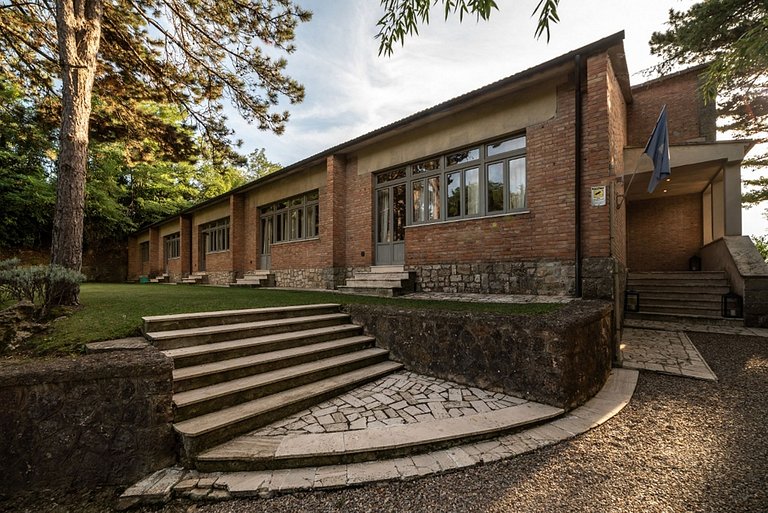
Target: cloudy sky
(350, 90)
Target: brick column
(185, 244)
(236, 233)
(155, 252)
(333, 218)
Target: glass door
(390, 225)
(267, 238)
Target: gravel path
(682, 445)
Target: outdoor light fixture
(694, 263)
(631, 301)
(733, 306)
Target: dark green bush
(37, 283)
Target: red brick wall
(301, 254)
(336, 209)
(688, 118)
(664, 233)
(251, 237)
(185, 245)
(359, 222)
(155, 252)
(134, 259)
(236, 232)
(546, 233)
(596, 154)
(617, 140)
(219, 261)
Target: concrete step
(366, 291)
(691, 319)
(680, 288)
(679, 275)
(293, 451)
(201, 401)
(174, 339)
(374, 283)
(387, 268)
(206, 431)
(199, 319)
(196, 376)
(207, 353)
(678, 297)
(682, 309)
(383, 276)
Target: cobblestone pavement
(669, 352)
(400, 398)
(488, 298)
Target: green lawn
(115, 310)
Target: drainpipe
(577, 153)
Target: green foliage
(731, 36)
(761, 243)
(37, 284)
(259, 165)
(26, 189)
(402, 17)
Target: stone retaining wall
(86, 421)
(535, 277)
(562, 358)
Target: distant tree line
(135, 177)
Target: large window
(144, 251)
(294, 218)
(172, 245)
(477, 181)
(216, 235)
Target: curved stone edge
(612, 398)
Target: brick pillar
(134, 263)
(155, 252)
(236, 233)
(333, 220)
(185, 244)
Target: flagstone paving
(488, 298)
(668, 352)
(400, 398)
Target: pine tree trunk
(78, 24)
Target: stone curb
(176, 482)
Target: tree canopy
(402, 17)
(114, 57)
(731, 36)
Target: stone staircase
(239, 370)
(382, 280)
(196, 278)
(694, 296)
(257, 278)
(162, 278)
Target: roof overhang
(694, 166)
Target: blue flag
(658, 149)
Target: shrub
(36, 283)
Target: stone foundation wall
(221, 277)
(537, 277)
(327, 278)
(562, 358)
(86, 421)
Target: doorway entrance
(390, 224)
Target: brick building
(522, 186)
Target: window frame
(217, 239)
(144, 251)
(416, 177)
(296, 218)
(172, 246)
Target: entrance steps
(196, 278)
(162, 278)
(382, 280)
(694, 296)
(253, 279)
(239, 370)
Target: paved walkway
(488, 298)
(175, 481)
(668, 352)
(400, 398)
(697, 328)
